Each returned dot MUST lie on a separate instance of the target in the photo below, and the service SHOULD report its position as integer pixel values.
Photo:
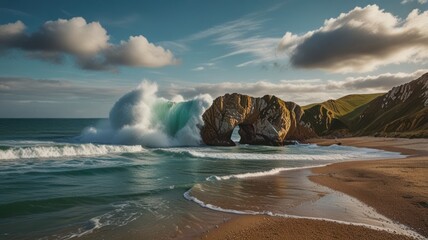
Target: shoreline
(372, 182)
(396, 188)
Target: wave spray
(140, 117)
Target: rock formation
(402, 112)
(266, 121)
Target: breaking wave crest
(67, 150)
(140, 117)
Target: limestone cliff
(267, 120)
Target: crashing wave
(140, 117)
(68, 150)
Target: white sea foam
(401, 229)
(343, 155)
(213, 207)
(271, 156)
(66, 150)
(25, 143)
(140, 117)
(259, 174)
(120, 216)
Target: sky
(73, 59)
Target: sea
(143, 173)
(54, 187)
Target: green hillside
(346, 104)
(403, 111)
(322, 115)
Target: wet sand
(263, 227)
(396, 188)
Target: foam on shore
(400, 228)
(259, 174)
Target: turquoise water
(52, 185)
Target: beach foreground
(264, 227)
(396, 188)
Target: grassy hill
(346, 104)
(321, 116)
(401, 112)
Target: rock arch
(262, 121)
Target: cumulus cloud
(139, 52)
(360, 41)
(302, 91)
(74, 36)
(10, 33)
(88, 43)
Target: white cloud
(139, 52)
(27, 89)
(302, 91)
(227, 31)
(205, 66)
(360, 41)
(242, 36)
(74, 36)
(383, 82)
(26, 97)
(200, 68)
(88, 43)
(11, 29)
(10, 32)
(16, 92)
(419, 1)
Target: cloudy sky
(76, 58)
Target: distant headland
(269, 120)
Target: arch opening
(236, 137)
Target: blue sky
(201, 47)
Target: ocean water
(53, 186)
(144, 173)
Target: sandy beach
(396, 188)
(263, 227)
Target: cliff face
(267, 121)
(403, 111)
(319, 118)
